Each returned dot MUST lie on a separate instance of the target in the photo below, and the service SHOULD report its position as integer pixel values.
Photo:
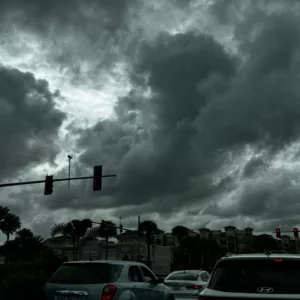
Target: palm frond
(57, 229)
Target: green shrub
(23, 285)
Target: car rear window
(276, 276)
(182, 276)
(87, 273)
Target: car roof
(261, 256)
(188, 272)
(113, 262)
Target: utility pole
(139, 240)
(69, 159)
(120, 223)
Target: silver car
(187, 283)
(106, 280)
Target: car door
(157, 291)
(140, 287)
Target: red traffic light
(277, 230)
(295, 229)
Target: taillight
(201, 298)
(193, 287)
(109, 292)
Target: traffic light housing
(97, 184)
(48, 185)
(278, 233)
(296, 232)
(121, 228)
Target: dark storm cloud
(81, 39)
(193, 104)
(87, 15)
(149, 141)
(254, 165)
(29, 122)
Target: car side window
(204, 277)
(134, 274)
(148, 276)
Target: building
(130, 246)
(63, 247)
(233, 239)
(289, 244)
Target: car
(254, 276)
(106, 280)
(187, 283)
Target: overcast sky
(194, 105)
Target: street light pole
(69, 158)
(139, 239)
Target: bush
(23, 284)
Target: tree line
(192, 250)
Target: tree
(75, 230)
(148, 228)
(10, 224)
(264, 242)
(180, 232)
(3, 213)
(106, 230)
(25, 247)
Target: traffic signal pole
(59, 179)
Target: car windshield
(87, 273)
(280, 276)
(183, 276)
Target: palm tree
(3, 213)
(75, 230)
(24, 234)
(10, 224)
(148, 228)
(25, 247)
(106, 230)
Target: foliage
(21, 282)
(10, 225)
(25, 247)
(9, 222)
(180, 231)
(148, 228)
(75, 230)
(106, 230)
(195, 253)
(264, 242)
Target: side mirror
(160, 280)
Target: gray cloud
(254, 165)
(29, 122)
(148, 143)
(201, 103)
(192, 107)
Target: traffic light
(278, 234)
(121, 228)
(97, 184)
(48, 185)
(296, 232)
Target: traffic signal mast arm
(118, 227)
(295, 231)
(97, 184)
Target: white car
(187, 284)
(106, 280)
(255, 276)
